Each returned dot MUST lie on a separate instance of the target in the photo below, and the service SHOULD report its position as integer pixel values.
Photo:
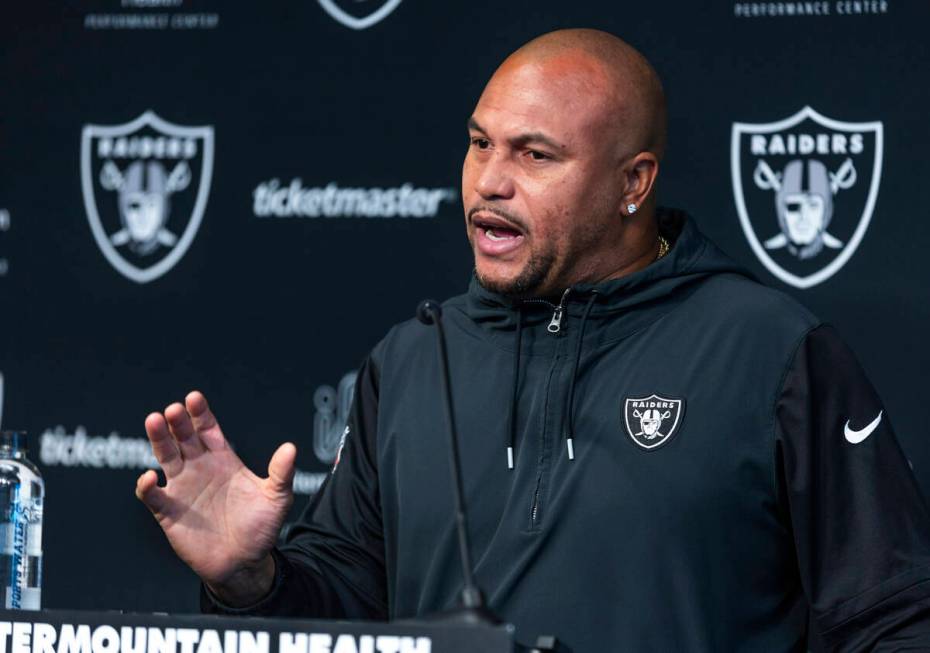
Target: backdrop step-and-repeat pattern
(243, 197)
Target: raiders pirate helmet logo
(145, 186)
(804, 204)
(805, 188)
(651, 421)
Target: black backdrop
(262, 310)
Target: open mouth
(496, 236)
(495, 228)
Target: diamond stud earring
(631, 208)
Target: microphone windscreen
(426, 309)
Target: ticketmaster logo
(58, 447)
(295, 201)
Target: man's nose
(495, 180)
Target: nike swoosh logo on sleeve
(855, 437)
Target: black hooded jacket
(697, 462)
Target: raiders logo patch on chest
(652, 421)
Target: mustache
(506, 215)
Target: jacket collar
(692, 257)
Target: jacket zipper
(536, 500)
(555, 324)
(534, 509)
(555, 328)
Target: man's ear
(639, 177)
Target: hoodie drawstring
(516, 385)
(570, 406)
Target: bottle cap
(14, 441)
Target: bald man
(660, 454)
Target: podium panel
(64, 631)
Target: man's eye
(481, 143)
(538, 156)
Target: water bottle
(22, 491)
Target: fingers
(182, 428)
(163, 445)
(184, 431)
(281, 469)
(148, 492)
(204, 421)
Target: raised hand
(220, 518)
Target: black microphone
(474, 610)
(427, 309)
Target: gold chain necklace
(663, 248)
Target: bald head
(612, 73)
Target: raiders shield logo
(805, 188)
(374, 11)
(651, 421)
(145, 186)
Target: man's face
(540, 181)
(804, 213)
